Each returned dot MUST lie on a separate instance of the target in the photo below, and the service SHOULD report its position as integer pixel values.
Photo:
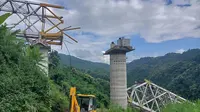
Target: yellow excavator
(81, 102)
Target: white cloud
(154, 20)
(109, 19)
(89, 48)
(180, 51)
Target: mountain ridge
(76, 59)
(95, 69)
(179, 73)
(62, 56)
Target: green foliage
(116, 108)
(54, 60)
(4, 17)
(178, 73)
(96, 70)
(33, 53)
(23, 87)
(59, 102)
(80, 64)
(184, 107)
(65, 78)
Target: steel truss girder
(28, 5)
(151, 97)
(30, 14)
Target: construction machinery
(81, 102)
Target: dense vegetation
(23, 86)
(184, 107)
(179, 73)
(80, 64)
(116, 108)
(65, 77)
(96, 70)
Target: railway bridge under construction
(43, 25)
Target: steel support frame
(17, 7)
(26, 10)
(151, 97)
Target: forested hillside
(97, 70)
(179, 73)
(65, 77)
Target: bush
(59, 102)
(183, 107)
(116, 108)
(23, 87)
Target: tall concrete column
(45, 61)
(44, 49)
(118, 81)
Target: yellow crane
(81, 102)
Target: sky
(155, 27)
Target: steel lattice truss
(151, 97)
(39, 19)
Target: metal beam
(31, 13)
(1, 5)
(151, 97)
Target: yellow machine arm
(74, 107)
(81, 102)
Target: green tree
(23, 87)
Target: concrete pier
(44, 50)
(118, 80)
